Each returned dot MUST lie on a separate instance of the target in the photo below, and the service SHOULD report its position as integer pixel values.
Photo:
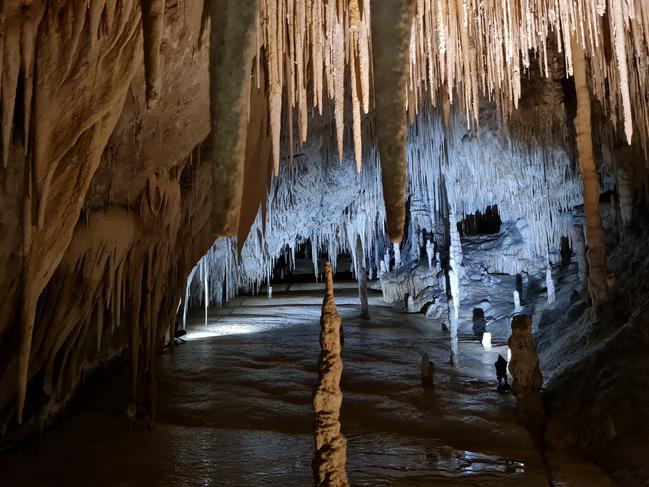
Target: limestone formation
(232, 48)
(596, 255)
(453, 338)
(361, 274)
(517, 302)
(108, 200)
(427, 371)
(430, 253)
(526, 374)
(579, 248)
(549, 284)
(486, 341)
(330, 444)
(391, 31)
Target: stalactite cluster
(75, 289)
(459, 50)
(68, 68)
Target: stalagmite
(596, 255)
(232, 48)
(455, 248)
(330, 444)
(486, 340)
(549, 284)
(427, 371)
(453, 338)
(391, 25)
(625, 195)
(579, 248)
(386, 261)
(361, 275)
(526, 375)
(429, 253)
(517, 302)
(397, 255)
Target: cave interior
(324, 242)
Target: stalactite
(597, 284)
(391, 23)
(152, 25)
(232, 41)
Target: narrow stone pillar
(549, 282)
(517, 302)
(625, 196)
(429, 253)
(579, 247)
(361, 276)
(397, 255)
(330, 444)
(452, 319)
(456, 244)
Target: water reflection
(330, 444)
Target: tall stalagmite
(597, 285)
(331, 445)
(391, 26)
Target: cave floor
(234, 409)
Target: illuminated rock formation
(526, 375)
(330, 444)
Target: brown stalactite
(233, 32)
(596, 255)
(390, 42)
(258, 160)
(152, 25)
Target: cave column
(455, 261)
(597, 284)
(361, 276)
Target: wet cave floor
(234, 409)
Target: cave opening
(290, 242)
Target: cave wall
(121, 190)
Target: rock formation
(330, 444)
(117, 176)
(526, 375)
(362, 279)
(594, 231)
(427, 371)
